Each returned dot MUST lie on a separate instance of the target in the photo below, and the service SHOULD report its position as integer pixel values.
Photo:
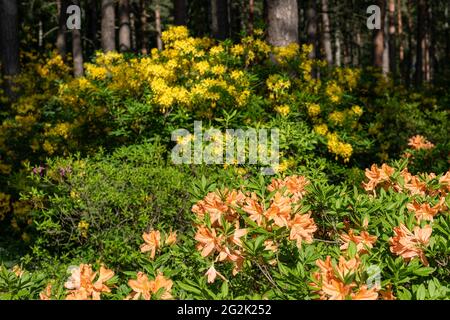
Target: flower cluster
(83, 284)
(339, 281)
(144, 288)
(220, 220)
(153, 241)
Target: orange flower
(387, 294)
(18, 271)
(81, 285)
(142, 286)
(234, 198)
(237, 235)
(302, 229)
(295, 186)
(152, 242)
(254, 209)
(415, 186)
(445, 181)
(336, 290)
(363, 242)
(171, 238)
(345, 268)
(213, 205)
(329, 281)
(161, 282)
(365, 294)
(420, 142)
(47, 293)
(99, 286)
(208, 239)
(377, 176)
(270, 245)
(409, 244)
(424, 211)
(326, 269)
(279, 210)
(212, 274)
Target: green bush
(101, 205)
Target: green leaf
(224, 289)
(424, 271)
(421, 292)
(189, 288)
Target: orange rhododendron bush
(234, 235)
(291, 237)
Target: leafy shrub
(101, 204)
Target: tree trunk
(311, 18)
(447, 32)
(220, 19)
(282, 20)
(143, 26)
(392, 32)
(158, 26)
(9, 35)
(378, 38)
(421, 41)
(401, 51)
(326, 33)
(77, 49)
(92, 23)
(180, 12)
(338, 48)
(133, 30)
(108, 26)
(251, 15)
(124, 28)
(62, 28)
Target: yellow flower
(216, 50)
(48, 147)
(83, 227)
(283, 110)
(237, 50)
(339, 148)
(313, 109)
(334, 92)
(337, 117)
(357, 110)
(321, 129)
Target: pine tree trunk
(220, 19)
(392, 33)
(282, 20)
(124, 28)
(133, 30)
(143, 26)
(401, 51)
(378, 39)
(92, 23)
(9, 44)
(180, 12)
(409, 56)
(77, 49)
(251, 16)
(311, 18)
(62, 28)
(158, 26)
(108, 26)
(9, 35)
(421, 41)
(326, 33)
